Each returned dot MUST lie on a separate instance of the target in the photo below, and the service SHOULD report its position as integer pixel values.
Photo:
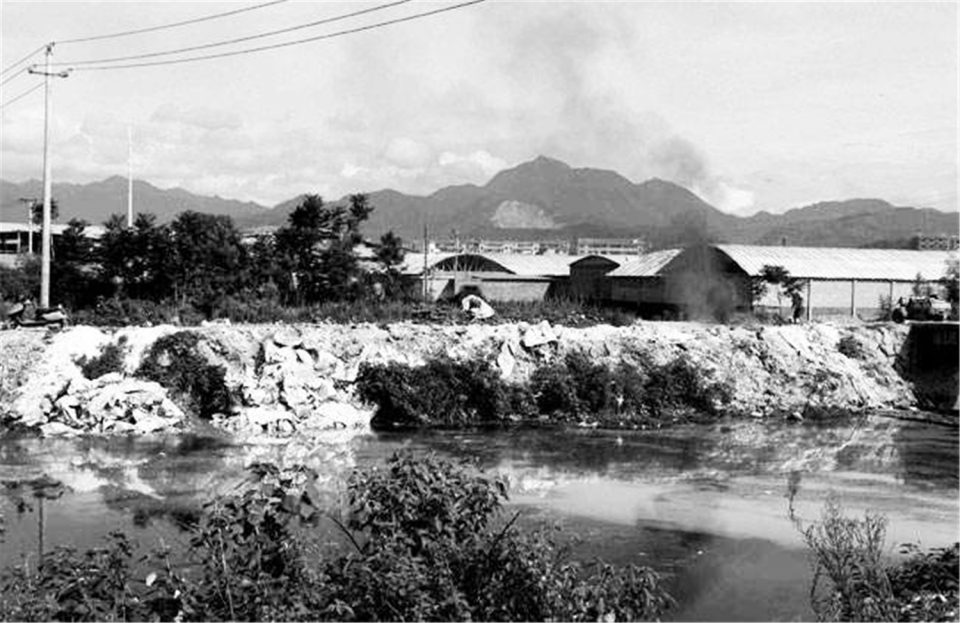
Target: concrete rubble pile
(111, 404)
(293, 385)
(296, 380)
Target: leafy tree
(73, 279)
(36, 211)
(264, 272)
(390, 257)
(208, 258)
(316, 249)
(779, 277)
(20, 281)
(137, 260)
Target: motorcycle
(42, 317)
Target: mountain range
(540, 199)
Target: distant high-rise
(938, 242)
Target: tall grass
(853, 580)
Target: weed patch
(852, 348)
(853, 581)
(109, 360)
(173, 361)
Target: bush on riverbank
(445, 393)
(442, 393)
(426, 539)
(853, 582)
(173, 361)
(109, 360)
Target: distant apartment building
(483, 245)
(609, 246)
(938, 242)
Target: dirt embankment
(300, 378)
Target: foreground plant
(426, 539)
(853, 582)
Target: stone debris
(288, 379)
(110, 404)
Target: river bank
(300, 379)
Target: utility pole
(45, 236)
(129, 176)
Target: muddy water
(705, 504)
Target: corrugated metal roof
(615, 259)
(413, 261)
(837, 263)
(547, 265)
(647, 265)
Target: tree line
(202, 260)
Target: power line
(22, 95)
(174, 24)
(327, 20)
(12, 76)
(287, 43)
(28, 56)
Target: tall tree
(36, 211)
(316, 249)
(73, 277)
(208, 258)
(390, 257)
(136, 260)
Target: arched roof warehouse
(511, 263)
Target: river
(706, 504)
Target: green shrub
(426, 539)
(849, 346)
(853, 581)
(121, 312)
(927, 584)
(109, 360)
(638, 394)
(441, 393)
(173, 361)
(848, 554)
(680, 386)
(445, 393)
(431, 544)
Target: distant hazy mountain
(95, 202)
(543, 198)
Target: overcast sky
(751, 105)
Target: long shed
(495, 276)
(842, 281)
(716, 279)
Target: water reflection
(708, 504)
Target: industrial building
(705, 280)
(15, 238)
(493, 276)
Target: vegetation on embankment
(570, 390)
(282, 378)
